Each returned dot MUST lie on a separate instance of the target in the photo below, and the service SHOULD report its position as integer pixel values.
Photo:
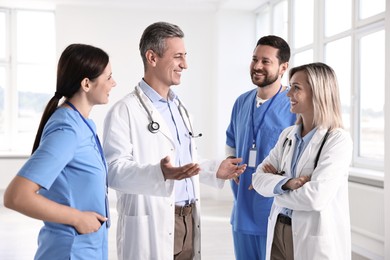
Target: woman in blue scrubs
(64, 182)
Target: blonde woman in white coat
(151, 154)
(307, 173)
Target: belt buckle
(284, 219)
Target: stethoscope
(288, 142)
(154, 126)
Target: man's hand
(229, 169)
(178, 173)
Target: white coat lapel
(156, 116)
(308, 156)
(288, 151)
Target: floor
(18, 233)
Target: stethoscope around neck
(154, 126)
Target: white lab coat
(320, 217)
(146, 202)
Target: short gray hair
(153, 38)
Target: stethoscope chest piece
(153, 127)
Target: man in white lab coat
(151, 154)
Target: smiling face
(169, 67)
(101, 87)
(265, 69)
(301, 95)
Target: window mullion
(12, 96)
(319, 32)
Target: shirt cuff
(278, 188)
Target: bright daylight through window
(27, 75)
(349, 36)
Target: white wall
(367, 220)
(219, 46)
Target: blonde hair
(326, 97)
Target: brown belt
(185, 210)
(284, 219)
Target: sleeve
(208, 173)
(230, 151)
(330, 175)
(230, 131)
(57, 148)
(125, 174)
(278, 188)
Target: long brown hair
(77, 62)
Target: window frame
(11, 99)
(359, 28)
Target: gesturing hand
(178, 173)
(229, 169)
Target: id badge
(252, 157)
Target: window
(280, 24)
(302, 23)
(27, 75)
(341, 64)
(368, 8)
(349, 36)
(340, 9)
(371, 81)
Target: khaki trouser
(282, 245)
(183, 242)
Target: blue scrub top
(69, 168)
(251, 210)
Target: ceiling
(247, 5)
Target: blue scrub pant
(249, 246)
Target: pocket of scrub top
(90, 246)
(137, 243)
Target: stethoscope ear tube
(153, 126)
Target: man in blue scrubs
(257, 119)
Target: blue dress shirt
(168, 108)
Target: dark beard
(267, 81)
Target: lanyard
(108, 222)
(262, 119)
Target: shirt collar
(307, 137)
(153, 95)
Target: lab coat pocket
(315, 247)
(137, 239)
(89, 246)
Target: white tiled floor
(18, 233)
